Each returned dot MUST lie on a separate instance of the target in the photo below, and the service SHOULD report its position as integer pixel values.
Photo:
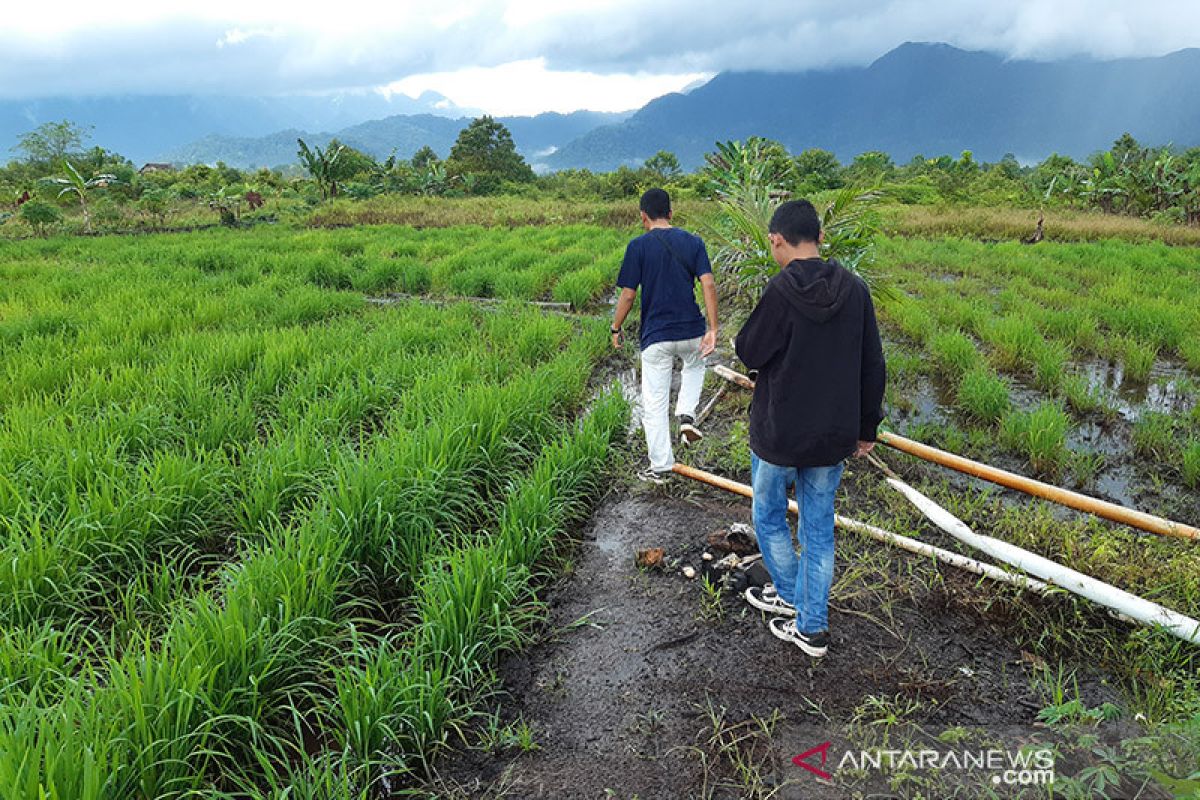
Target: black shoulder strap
(674, 255)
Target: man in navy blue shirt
(666, 262)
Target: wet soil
(635, 675)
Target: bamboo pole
(1056, 494)
(1081, 502)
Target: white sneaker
(688, 432)
(767, 599)
(815, 644)
(653, 476)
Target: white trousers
(658, 362)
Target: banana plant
(323, 166)
(72, 182)
(748, 186)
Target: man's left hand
(863, 448)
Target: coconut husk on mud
(650, 558)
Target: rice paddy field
(258, 533)
(263, 537)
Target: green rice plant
(1154, 436)
(1039, 435)
(1049, 362)
(1191, 463)
(1073, 326)
(1189, 349)
(377, 701)
(579, 288)
(954, 353)
(903, 366)
(478, 281)
(907, 315)
(405, 275)
(518, 285)
(1081, 396)
(1137, 357)
(1014, 341)
(1085, 466)
(983, 395)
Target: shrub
(40, 215)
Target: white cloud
(559, 54)
(522, 88)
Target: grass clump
(1154, 435)
(954, 353)
(983, 395)
(1191, 463)
(1040, 435)
(1014, 339)
(1137, 357)
(1080, 395)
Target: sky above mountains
(528, 56)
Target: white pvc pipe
(937, 553)
(1105, 594)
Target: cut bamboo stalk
(903, 542)
(1081, 502)
(710, 405)
(734, 377)
(1056, 494)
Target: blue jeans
(803, 581)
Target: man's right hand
(708, 342)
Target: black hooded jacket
(814, 340)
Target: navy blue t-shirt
(669, 310)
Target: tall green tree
(424, 157)
(51, 142)
(485, 148)
(663, 166)
(818, 169)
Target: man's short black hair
(796, 221)
(656, 203)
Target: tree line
(56, 173)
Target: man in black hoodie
(818, 399)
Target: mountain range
(920, 98)
(929, 99)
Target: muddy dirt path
(641, 688)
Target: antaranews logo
(1021, 767)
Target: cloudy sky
(526, 56)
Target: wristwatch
(615, 330)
